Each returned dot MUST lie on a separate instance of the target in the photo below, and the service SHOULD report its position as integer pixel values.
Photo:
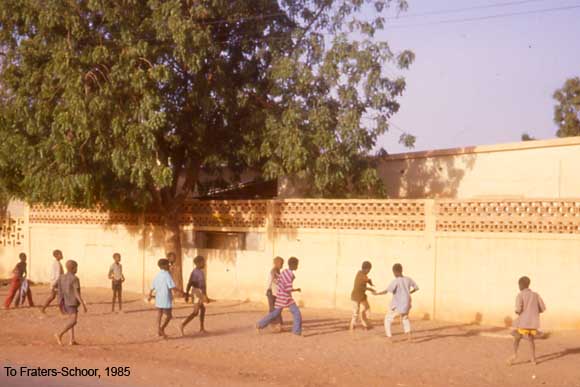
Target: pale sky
(485, 81)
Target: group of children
(280, 289)
(529, 304)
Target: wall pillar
(270, 234)
(431, 246)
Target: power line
(429, 13)
(398, 127)
(488, 17)
(465, 9)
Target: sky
(484, 81)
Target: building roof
(557, 142)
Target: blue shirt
(162, 284)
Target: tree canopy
(567, 112)
(124, 102)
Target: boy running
(284, 300)
(162, 286)
(359, 296)
(198, 296)
(529, 305)
(69, 294)
(117, 278)
(402, 287)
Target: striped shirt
(284, 294)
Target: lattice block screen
(345, 214)
(531, 216)
(59, 214)
(235, 213)
(11, 231)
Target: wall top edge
(523, 145)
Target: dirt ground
(233, 354)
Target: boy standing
(18, 279)
(359, 296)
(69, 294)
(55, 273)
(529, 305)
(402, 287)
(162, 286)
(272, 288)
(284, 299)
(117, 278)
(198, 296)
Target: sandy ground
(233, 354)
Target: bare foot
(57, 337)
(511, 361)
(534, 362)
(181, 330)
(258, 329)
(73, 343)
(202, 331)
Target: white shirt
(55, 272)
(401, 288)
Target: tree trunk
(172, 244)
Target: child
(18, 279)
(69, 294)
(117, 278)
(198, 296)
(359, 297)
(162, 285)
(272, 288)
(55, 273)
(529, 305)
(402, 287)
(284, 300)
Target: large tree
(123, 102)
(567, 112)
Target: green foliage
(567, 112)
(123, 102)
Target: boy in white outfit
(402, 287)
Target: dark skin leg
(202, 318)
(162, 326)
(49, 300)
(517, 340)
(533, 349)
(188, 319)
(120, 295)
(117, 296)
(69, 326)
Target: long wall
(465, 255)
